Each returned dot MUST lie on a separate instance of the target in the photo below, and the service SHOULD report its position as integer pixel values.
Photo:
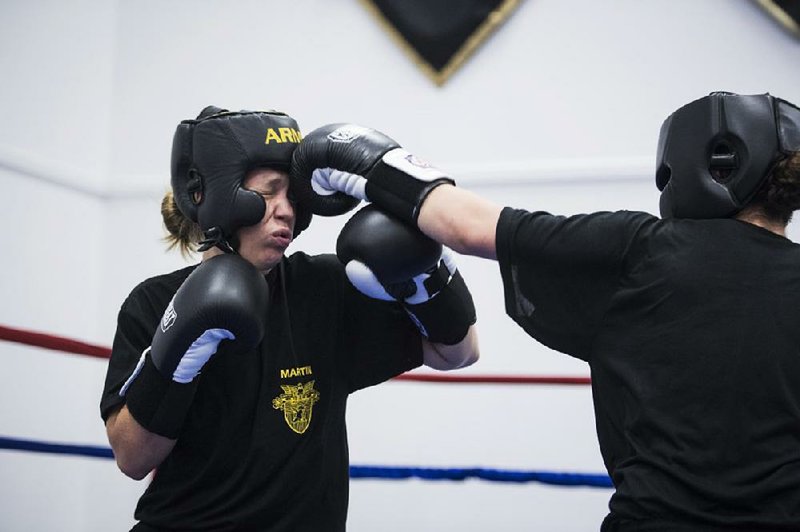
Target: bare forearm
(137, 450)
(461, 220)
(446, 357)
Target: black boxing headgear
(211, 156)
(715, 152)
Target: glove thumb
(362, 278)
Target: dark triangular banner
(440, 34)
(787, 12)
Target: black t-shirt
(264, 446)
(692, 332)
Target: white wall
(559, 110)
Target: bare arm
(461, 220)
(464, 222)
(445, 357)
(137, 450)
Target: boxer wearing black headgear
(232, 376)
(688, 322)
(211, 156)
(715, 152)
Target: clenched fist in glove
(337, 165)
(387, 259)
(224, 298)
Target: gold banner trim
(481, 33)
(781, 16)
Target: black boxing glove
(389, 260)
(224, 298)
(338, 164)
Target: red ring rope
(68, 345)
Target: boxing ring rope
(68, 345)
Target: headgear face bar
(714, 153)
(211, 156)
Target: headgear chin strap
(715, 152)
(212, 154)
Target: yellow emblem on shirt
(297, 402)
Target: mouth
(282, 237)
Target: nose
(282, 208)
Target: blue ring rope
(369, 472)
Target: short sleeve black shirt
(690, 328)
(264, 447)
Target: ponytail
(183, 232)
